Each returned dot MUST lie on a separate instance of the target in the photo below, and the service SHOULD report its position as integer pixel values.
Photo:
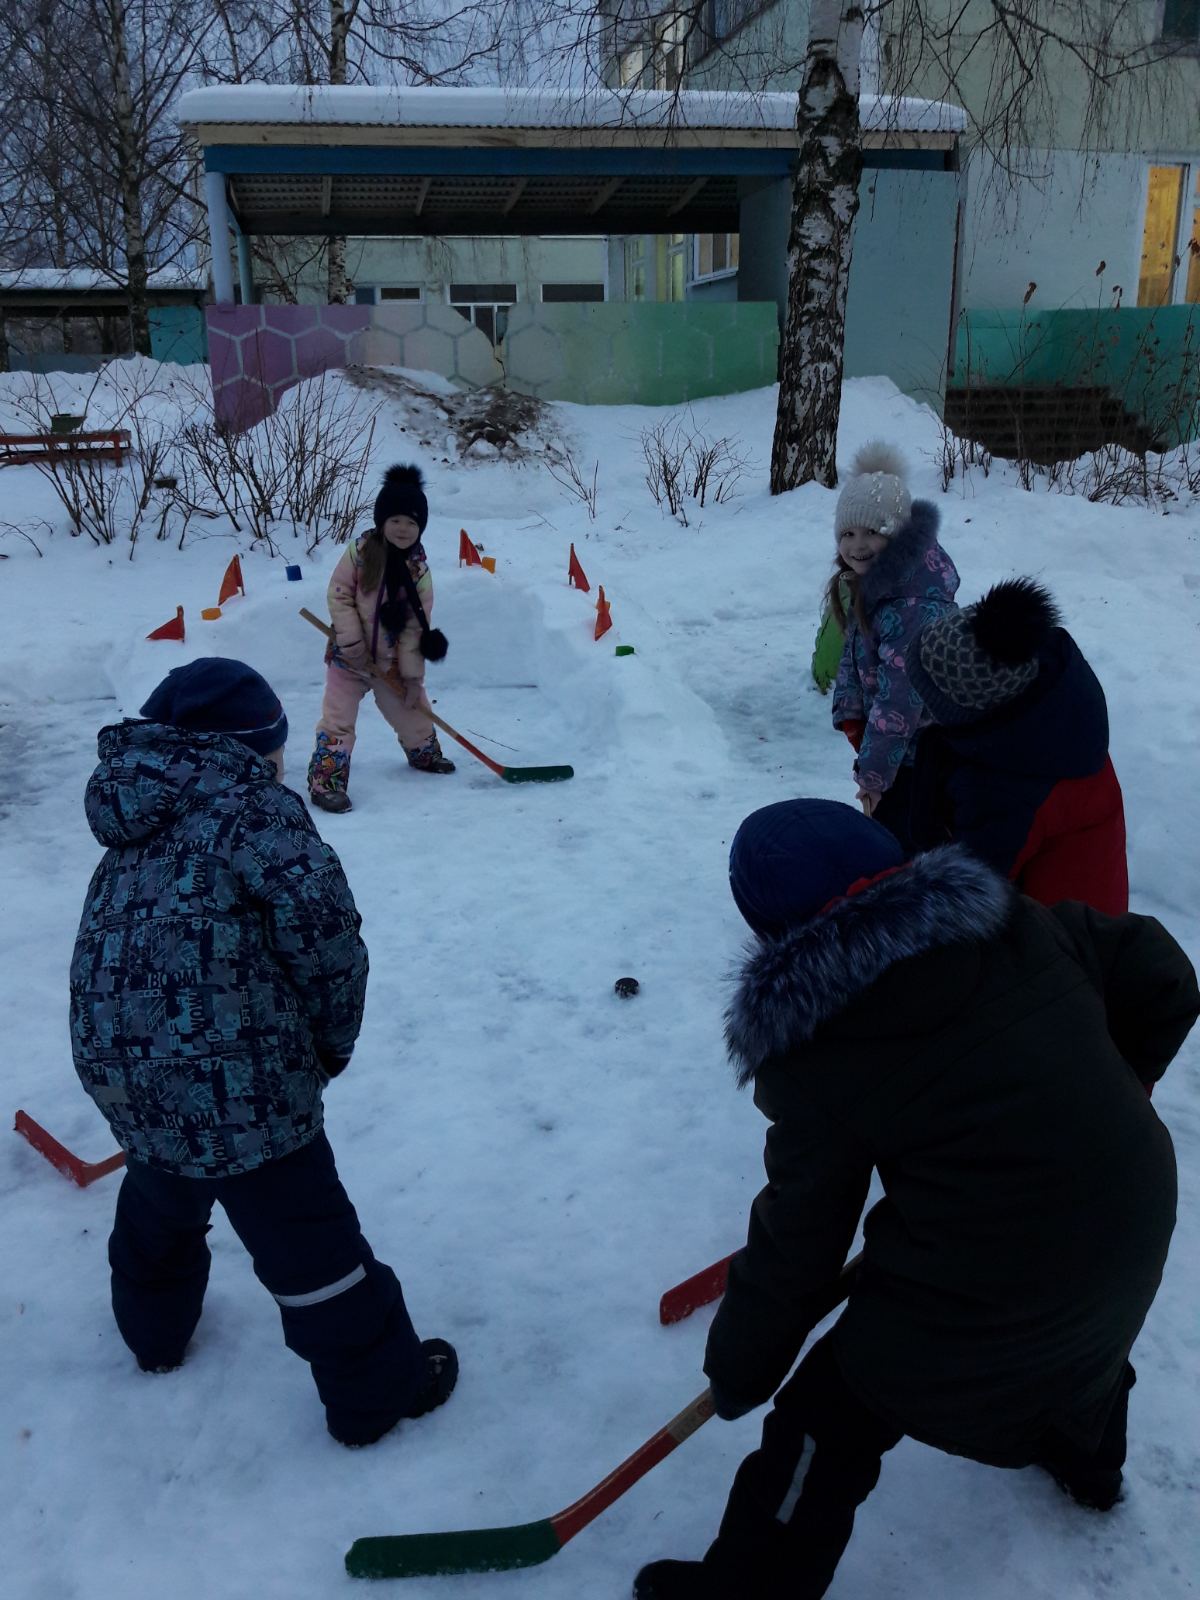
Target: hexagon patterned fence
(600, 354)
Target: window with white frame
(398, 291)
(481, 303)
(670, 49)
(675, 260)
(715, 254)
(635, 267)
(631, 65)
(1180, 22)
(1170, 264)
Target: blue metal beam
(431, 161)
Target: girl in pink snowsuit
(380, 597)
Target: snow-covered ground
(537, 1158)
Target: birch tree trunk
(820, 241)
(130, 192)
(339, 28)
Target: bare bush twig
(564, 469)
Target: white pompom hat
(875, 495)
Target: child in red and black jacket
(1017, 768)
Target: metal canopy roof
(447, 162)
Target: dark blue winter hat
(402, 495)
(214, 695)
(791, 859)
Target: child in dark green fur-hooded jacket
(988, 1058)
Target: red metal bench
(18, 447)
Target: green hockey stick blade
(537, 774)
(434, 1555)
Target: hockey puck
(626, 988)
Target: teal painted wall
(1149, 358)
(645, 354)
(898, 306)
(901, 295)
(177, 334)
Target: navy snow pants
(791, 1508)
(342, 1311)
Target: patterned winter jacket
(359, 634)
(912, 582)
(218, 970)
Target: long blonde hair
(845, 575)
(372, 560)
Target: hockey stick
(527, 1544)
(703, 1288)
(509, 774)
(80, 1172)
(699, 1290)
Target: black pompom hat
(402, 495)
(974, 661)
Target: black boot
(334, 800)
(677, 1580)
(1097, 1490)
(442, 1362)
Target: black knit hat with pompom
(402, 495)
(974, 661)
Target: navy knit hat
(791, 859)
(402, 495)
(215, 695)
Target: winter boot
(329, 775)
(160, 1366)
(428, 757)
(441, 1359)
(441, 1374)
(335, 800)
(1097, 1490)
(678, 1580)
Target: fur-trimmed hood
(790, 986)
(909, 564)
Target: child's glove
(354, 656)
(727, 1407)
(330, 1065)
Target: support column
(245, 268)
(218, 233)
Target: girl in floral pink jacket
(899, 578)
(380, 597)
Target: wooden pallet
(16, 448)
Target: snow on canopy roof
(78, 280)
(361, 105)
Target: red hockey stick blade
(80, 1172)
(527, 1544)
(705, 1287)
(700, 1290)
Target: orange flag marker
(231, 583)
(576, 575)
(603, 616)
(172, 629)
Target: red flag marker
(231, 583)
(172, 629)
(467, 553)
(603, 616)
(576, 575)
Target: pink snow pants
(344, 691)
